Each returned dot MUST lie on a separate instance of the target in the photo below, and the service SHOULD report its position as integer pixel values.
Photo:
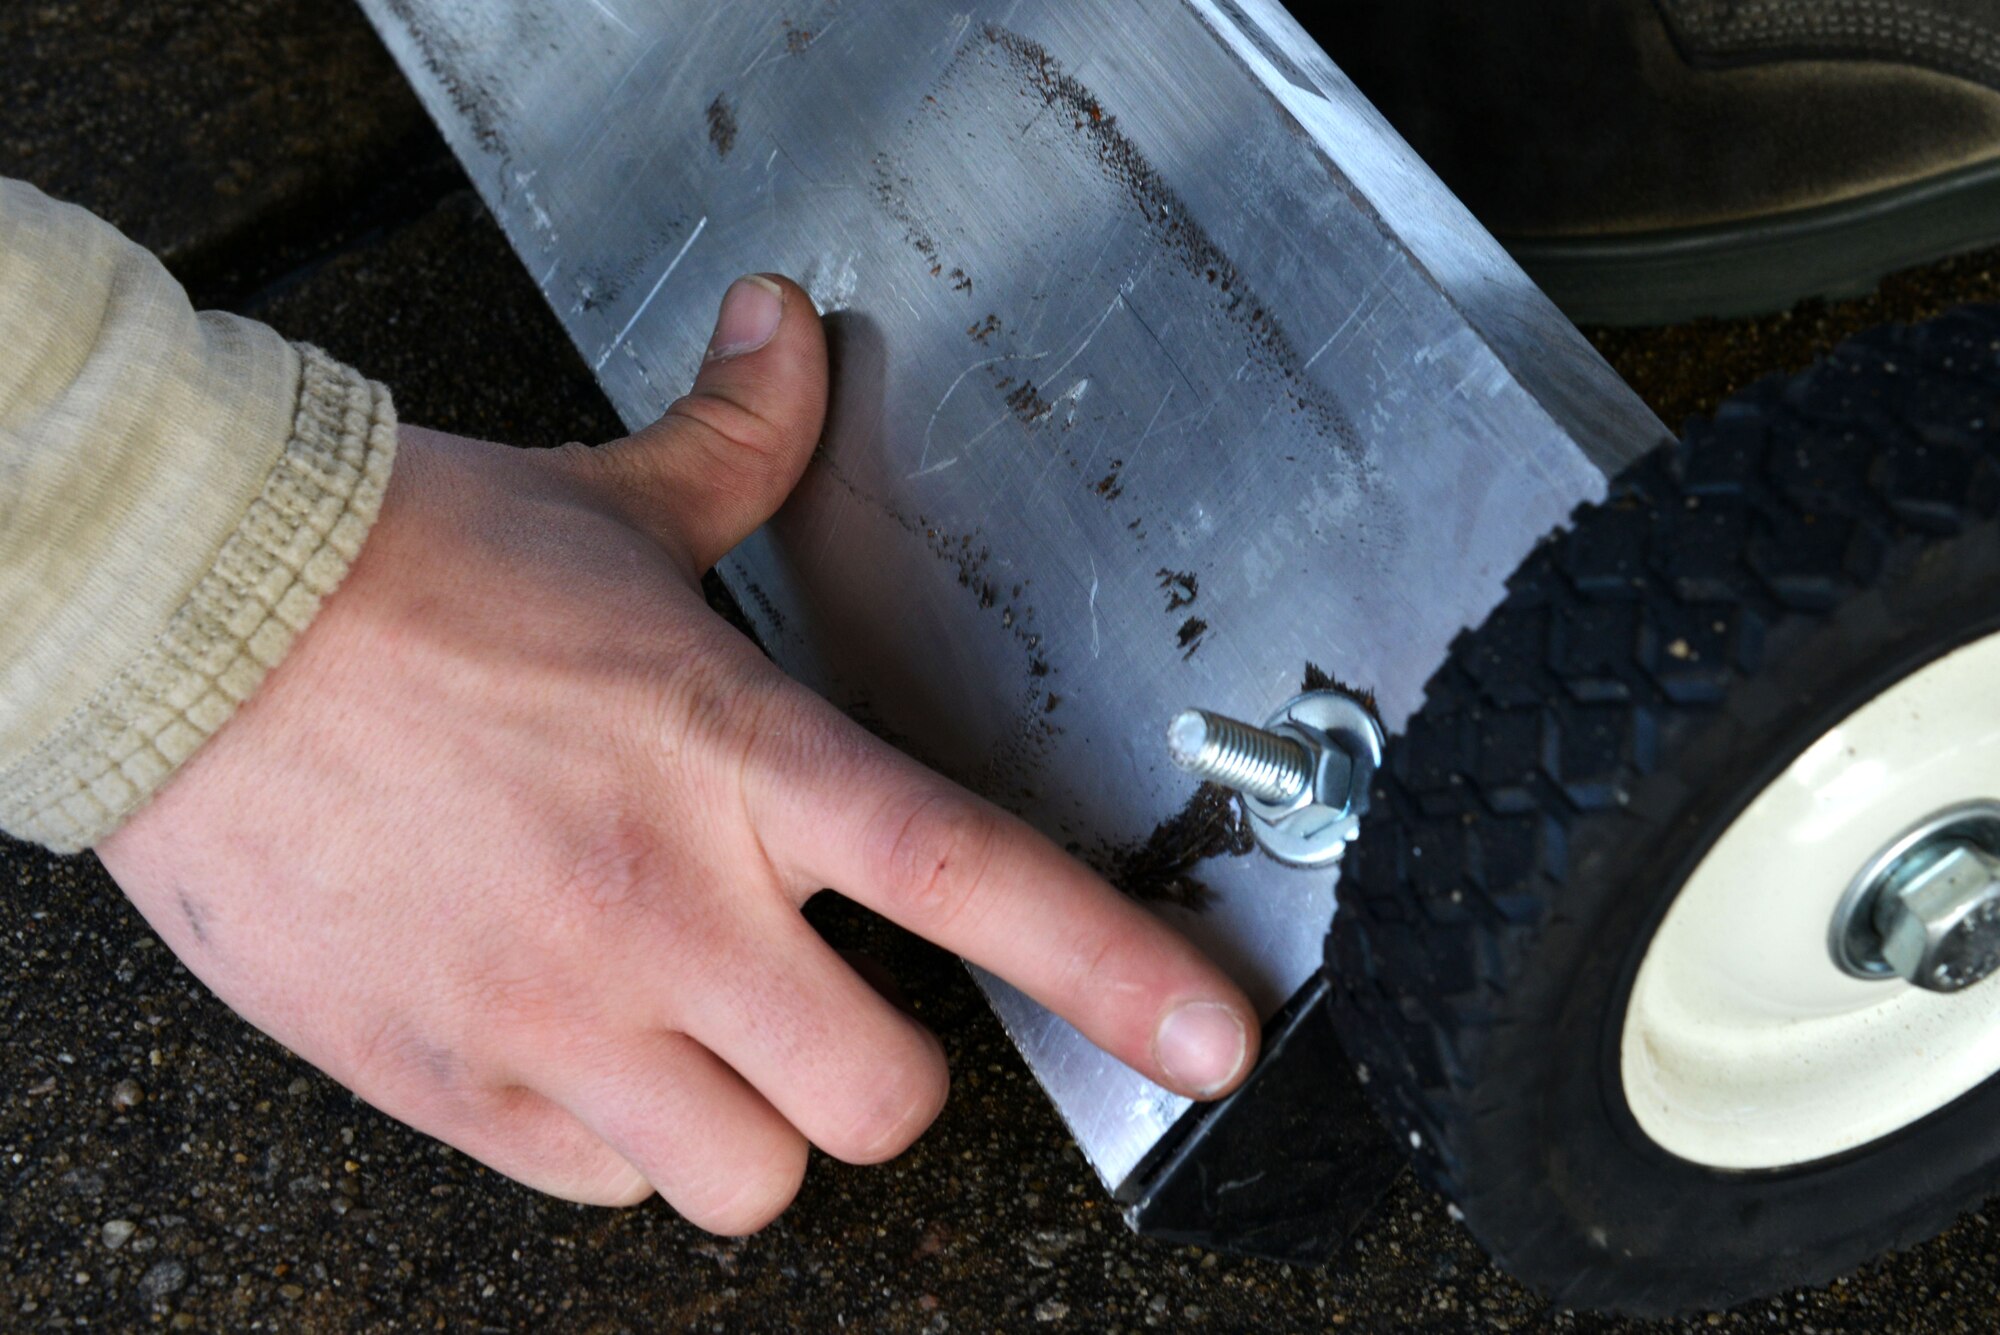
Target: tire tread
(1651, 614)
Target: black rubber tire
(1652, 667)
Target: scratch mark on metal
(760, 57)
(609, 13)
(599, 127)
(1330, 340)
(1238, 1184)
(923, 460)
(832, 527)
(1096, 643)
(1199, 417)
(1171, 359)
(1102, 251)
(1352, 316)
(1072, 397)
(998, 422)
(764, 58)
(1148, 434)
(1088, 339)
(1033, 121)
(1096, 446)
(1090, 460)
(693, 237)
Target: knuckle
(612, 1183)
(708, 705)
(577, 459)
(1095, 964)
(512, 1132)
(932, 858)
(901, 1108)
(711, 711)
(392, 1059)
(732, 433)
(751, 1199)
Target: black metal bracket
(1285, 1168)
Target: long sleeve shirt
(178, 493)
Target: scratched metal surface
(1163, 370)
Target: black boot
(1649, 161)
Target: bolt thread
(1221, 750)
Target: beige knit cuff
(294, 546)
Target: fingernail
(751, 313)
(1201, 1046)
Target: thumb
(723, 459)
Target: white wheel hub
(1745, 1046)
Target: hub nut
(1938, 917)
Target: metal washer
(1317, 836)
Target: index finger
(836, 808)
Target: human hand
(513, 843)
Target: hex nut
(1333, 776)
(1323, 754)
(1940, 925)
(1345, 742)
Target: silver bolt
(1303, 776)
(1938, 916)
(1232, 753)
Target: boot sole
(1766, 264)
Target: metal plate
(1163, 369)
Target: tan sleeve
(177, 494)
